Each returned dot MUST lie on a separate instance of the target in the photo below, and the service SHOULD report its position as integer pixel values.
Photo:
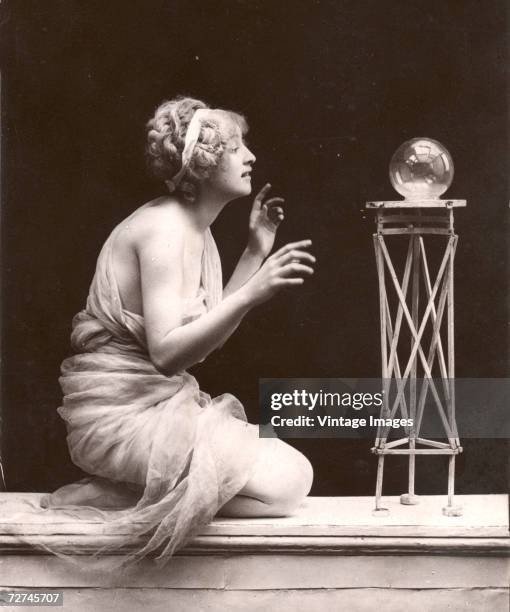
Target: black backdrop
(330, 89)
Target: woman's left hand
(265, 217)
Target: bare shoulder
(160, 219)
(158, 223)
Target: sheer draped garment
(163, 455)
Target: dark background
(330, 89)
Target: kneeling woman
(165, 455)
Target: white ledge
(321, 526)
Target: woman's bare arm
(265, 217)
(249, 262)
(174, 347)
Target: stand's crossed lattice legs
(417, 274)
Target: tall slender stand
(416, 221)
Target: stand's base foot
(409, 499)
(380, 512)
(452, 510)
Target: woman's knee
(297, 483)
(283, 480)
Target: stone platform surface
(333, 552)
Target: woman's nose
(250, 158)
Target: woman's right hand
(285, 268)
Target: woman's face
(232, 176)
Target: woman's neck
(205, 210)
(206, 207)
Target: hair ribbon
(190, 141)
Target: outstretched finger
(290, 281)
(296, 255)
(302, 244)
(272, 201)
(295, 268)
(260, 195)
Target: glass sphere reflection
(421, 169)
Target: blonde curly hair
(166, 133)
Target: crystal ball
(421, 169)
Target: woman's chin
(242, 193)
(247, 189)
